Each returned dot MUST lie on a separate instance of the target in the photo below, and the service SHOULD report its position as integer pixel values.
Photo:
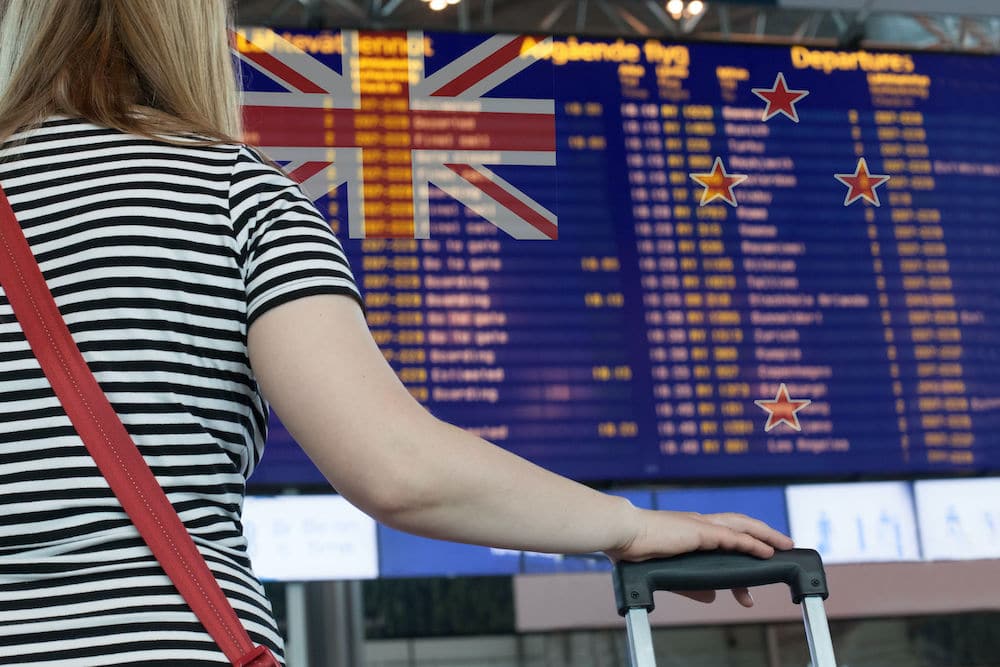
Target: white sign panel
(959, 518)
(854, 523)
(309, 538)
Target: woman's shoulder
(84, 133)
(59, 140)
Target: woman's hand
(660, 534)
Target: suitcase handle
(801, 569)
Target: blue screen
(639, 343)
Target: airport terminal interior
(708, 255)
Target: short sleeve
(286, 248)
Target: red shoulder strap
(113, 449)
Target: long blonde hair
(148, 67)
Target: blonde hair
(147, 67)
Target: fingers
(666, 533)
(698, 596)
(743, 596)
(722, 537)
(758, 529)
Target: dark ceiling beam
(851, 36)
(962, 32)
(931, 26)
(839, 21)
(760, 23)
(977, 30)
(612, 15)
(464, 16)
(281, 9)
(635, 23)
(691, 22)
(660, 14)
(725, 27)
(581, 15)
(550, 19)
(351, 7)
(315, 13)
(809, 26)
(391, 6)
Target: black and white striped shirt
(159, 258)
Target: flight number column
(709, 282)
(646, 159)
(688, 282)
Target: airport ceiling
(842, 23)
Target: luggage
(801, 569)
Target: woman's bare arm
(317, 363)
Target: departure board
(641, 260)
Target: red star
(861, 184)
(718, 184)
(783, 409)
(780, 99)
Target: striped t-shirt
(159, 258)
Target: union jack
(386, 131)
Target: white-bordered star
(861, 184)
(783, 409)
(780, 99)
(718, 184)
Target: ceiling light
(676, 8)
(695, 7)
(438, 5)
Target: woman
(194, 276)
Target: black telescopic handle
(801, 569)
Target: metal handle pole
(297, 648)
(818, 632)
(640, 639)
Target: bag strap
(113, 449)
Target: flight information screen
(630, 260)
